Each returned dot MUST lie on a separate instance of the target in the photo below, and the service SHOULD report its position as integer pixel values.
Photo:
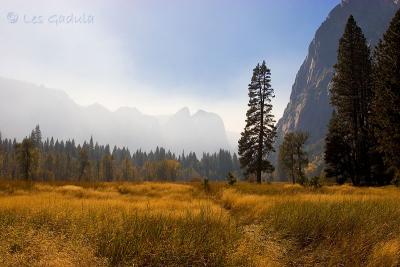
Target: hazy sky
(159, 55)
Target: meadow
(184, 224)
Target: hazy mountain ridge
(309, 108)
(22, 105)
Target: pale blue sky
(161, 55)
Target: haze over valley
(60, 117)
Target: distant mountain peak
(97, 106)
(183, 112)
(201, 112)
(60, 117)
(126, 109)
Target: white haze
(90, 63)
(23, 105)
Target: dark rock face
(309, 108)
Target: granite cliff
(309, 108)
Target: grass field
(163, 224)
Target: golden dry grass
(165, 224)
(335, 226)
(146, 224)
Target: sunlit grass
(339, 225)
(146, 224)
(165, 224)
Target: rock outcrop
(309, 108)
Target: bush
(206, 185)
(340, 180)
(231, 179)
(315, 182)
(302, 180)
(395, 174)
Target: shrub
(396, 180)
(302, 180)
(340, 180)
(231, 179)
(315, 182)
(206, 185)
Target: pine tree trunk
(260, 141)
(293, 177)
(298, 162)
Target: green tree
(83, 161)
(128, 170)
(301, 156)
(48, 168)
(36, 136)
(292, 156)
(386, 102)
(28, 158)
(337, 152)
(231, 179)
(108, 168)
(168, 169)
(2, 156)
(351, 95)
(256, 141)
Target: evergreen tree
(351, 94)
(27, 156)
(48, 167)
(108, 168)
(91, 148)
(231, 179)
(337, 152)
(83, 161)
(128, 170)
(386, 104)
(301, 156)
(2, 156)
(258, 136)
(36, 136)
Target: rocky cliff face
(309, 108)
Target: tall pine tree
(36, 136)
(258, 136)
(28, 157)
(351, 94)
(386, 104)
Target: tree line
(54, 160)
